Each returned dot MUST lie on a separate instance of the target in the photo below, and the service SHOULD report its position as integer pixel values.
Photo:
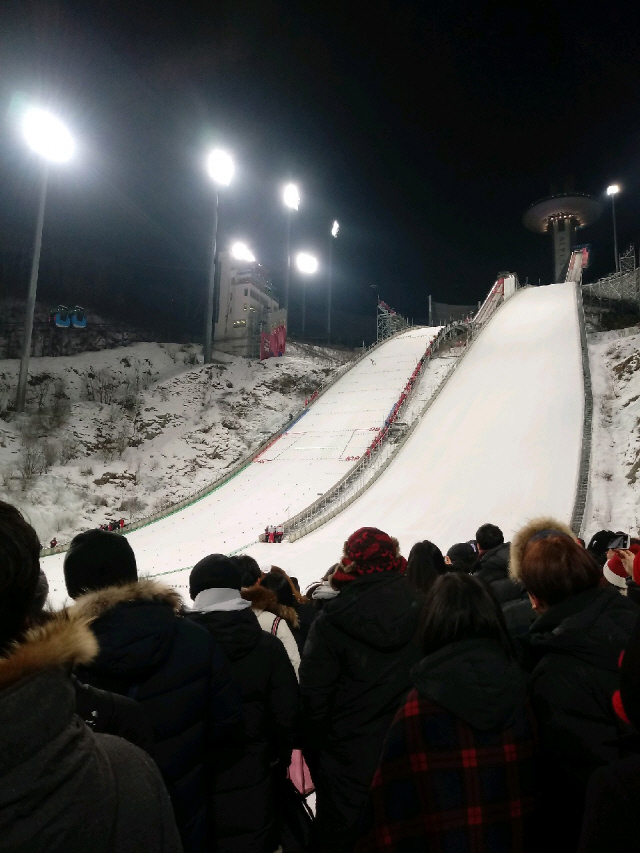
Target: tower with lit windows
(561, 215)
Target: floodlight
(613, 189)
(291, 196)
(241, 252)
(220, 167)
(306, 263)
(47, 135)
(335, 228)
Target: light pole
(308, 265)
(220, 168)
(291, 198)
(334, 233)
(613, 191)
(48, 137)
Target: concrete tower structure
(561, 215)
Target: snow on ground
(501, 443)
(613, 500)
(314, 453)
(131, 430)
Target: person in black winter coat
(493, 565)
(63, 788)
(572, 651)
(245, 814)
(353, 677)
(174, 669)
(103, 712)
(611, 818)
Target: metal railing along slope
(582, 485)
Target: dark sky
(425, 128)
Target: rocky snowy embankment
(614, 498)
(129, 431)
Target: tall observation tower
(561, 215)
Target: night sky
(425, 128)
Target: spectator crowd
(482, 701)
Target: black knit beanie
(213, 572)
(97, 559)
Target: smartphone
(620, 542)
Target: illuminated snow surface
(501, 444)
(307, 460)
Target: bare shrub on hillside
(30, 464)
(41, 384)
(133, 505)
(132, 401)
(50, 454)
(122, 438)
(68, 448)
(100, 386)
(60, 404)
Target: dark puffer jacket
(493, 569)
(353, 677)
(462, 744)
(243, 806)
(181, 679)
(65, 789)
(113, 714)
(573, 651)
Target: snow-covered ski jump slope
(315, 452)
(501, 443)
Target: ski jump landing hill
(501, 443)
(313, 454)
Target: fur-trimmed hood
(135, 625)
(519, 541)
(92, 605)
(264, 599)
(65, 639)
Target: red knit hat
(369, 550)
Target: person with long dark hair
(279, 582)
(425, 565)
(458, 765)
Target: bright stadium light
(47, 135)
(291, 196)
(220, 167)
(334, 233)
(613, 190)
(306, 263)
(241, 252)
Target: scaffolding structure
(620, 291)
(389, 321)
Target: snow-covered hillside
(128, 431)
(615, 374)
